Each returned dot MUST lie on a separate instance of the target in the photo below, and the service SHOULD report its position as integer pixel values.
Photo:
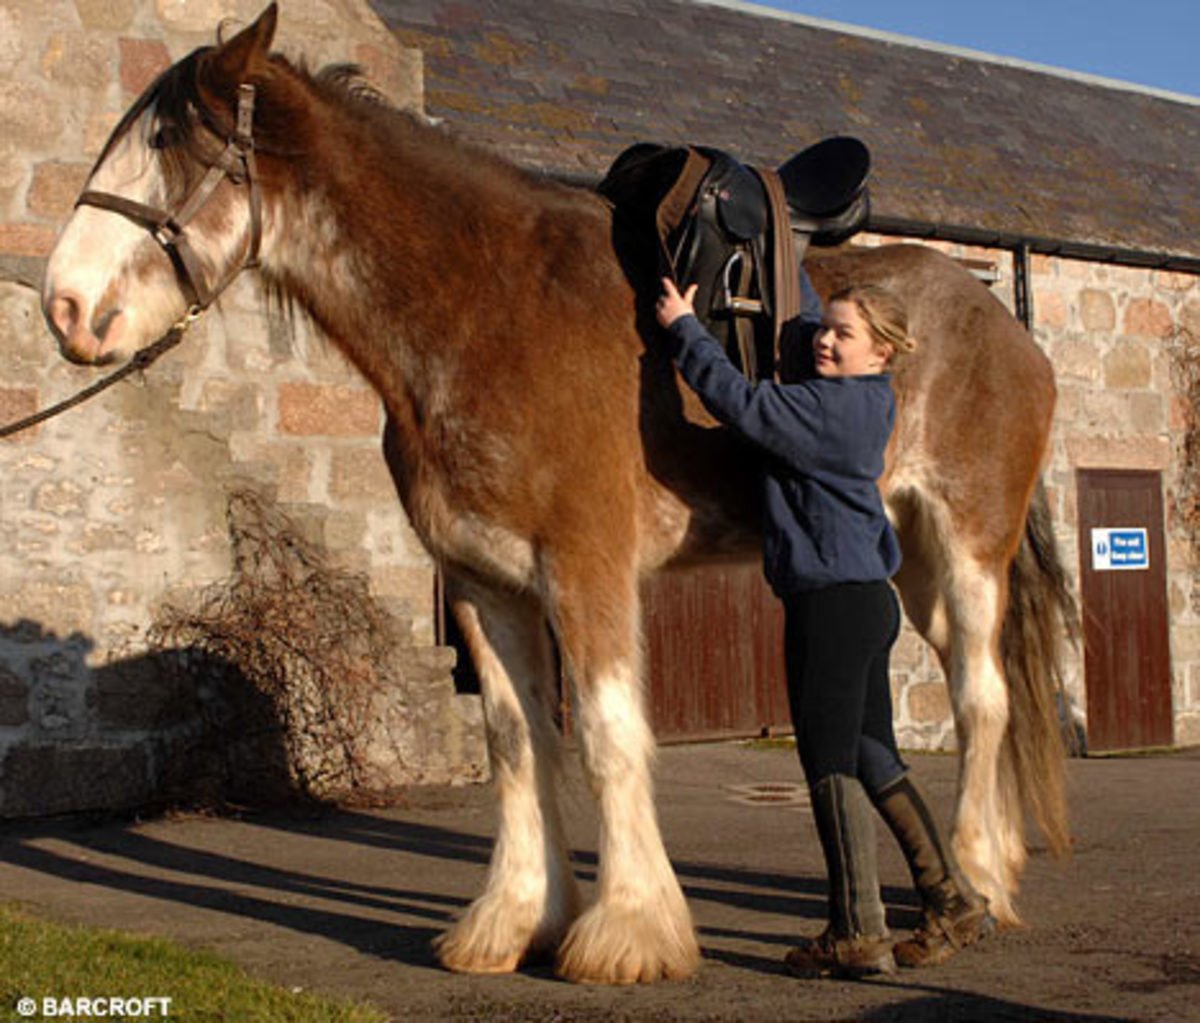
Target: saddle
(738, 232)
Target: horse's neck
(367, 245)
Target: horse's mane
(285, 88)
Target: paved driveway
(347, 902)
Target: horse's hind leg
(640, 928)
(958, 603)
(988, 832)
(530, 897)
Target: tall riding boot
(856, 942)
(955, 915)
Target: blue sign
(1116, 550)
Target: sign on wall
(1120, 549)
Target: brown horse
(547, 456)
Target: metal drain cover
(770, 793)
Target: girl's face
(844, 346)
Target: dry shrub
(293, 655)
(1184, 348)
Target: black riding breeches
(838, 642)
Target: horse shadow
(938, 1003)
(398, 924)
(392, 922)
(364, 916)
(191, 756)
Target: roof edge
(967, 53)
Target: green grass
(46, 960)
(773, 742)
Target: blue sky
(1154, 43)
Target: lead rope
(141, 360)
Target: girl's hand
(672, 305)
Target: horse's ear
(233, 59)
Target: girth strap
(785, 268)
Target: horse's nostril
(105, 322)
(65, 311)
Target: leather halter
(169, 229)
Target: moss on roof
(564, 85)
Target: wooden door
(1127, 661)
(714, 653)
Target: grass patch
(1143, 753)
(771, 742)
(41, 960)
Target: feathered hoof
(628, 946)
(1000, 905)
(1005, 913)
(487, 940)
(998, 886)
(462, 953)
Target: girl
(828, 553)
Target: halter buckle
(244, 132)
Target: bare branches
(298, 652)
(1184, 349)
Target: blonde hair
(884, 314)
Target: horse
(549, 458)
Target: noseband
(169, 229)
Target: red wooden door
(714, 653)
(1127, 661)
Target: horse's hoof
(485, 940)
(609, 946)
(460, 956)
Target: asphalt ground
(347, 901)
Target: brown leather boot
(856, 943)
(848, 958)
(955, 915)
(950, 924)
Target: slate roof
(565, 85)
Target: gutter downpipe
(1023, 287)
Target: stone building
(1081, 192)
(1076, 195)
(119, 506)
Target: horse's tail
(1041, 620)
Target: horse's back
(975, 399)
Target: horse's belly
(696, 526)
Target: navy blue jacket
(824, 441)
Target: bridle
(169, 228)
(236, 162)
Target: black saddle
(826, 187)
(739, 232)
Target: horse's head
(171, 211)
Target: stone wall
(1119, 339)
(116, 506)
(1123, 342)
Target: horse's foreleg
(640, 928)
(530, 897)
(988, 831)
